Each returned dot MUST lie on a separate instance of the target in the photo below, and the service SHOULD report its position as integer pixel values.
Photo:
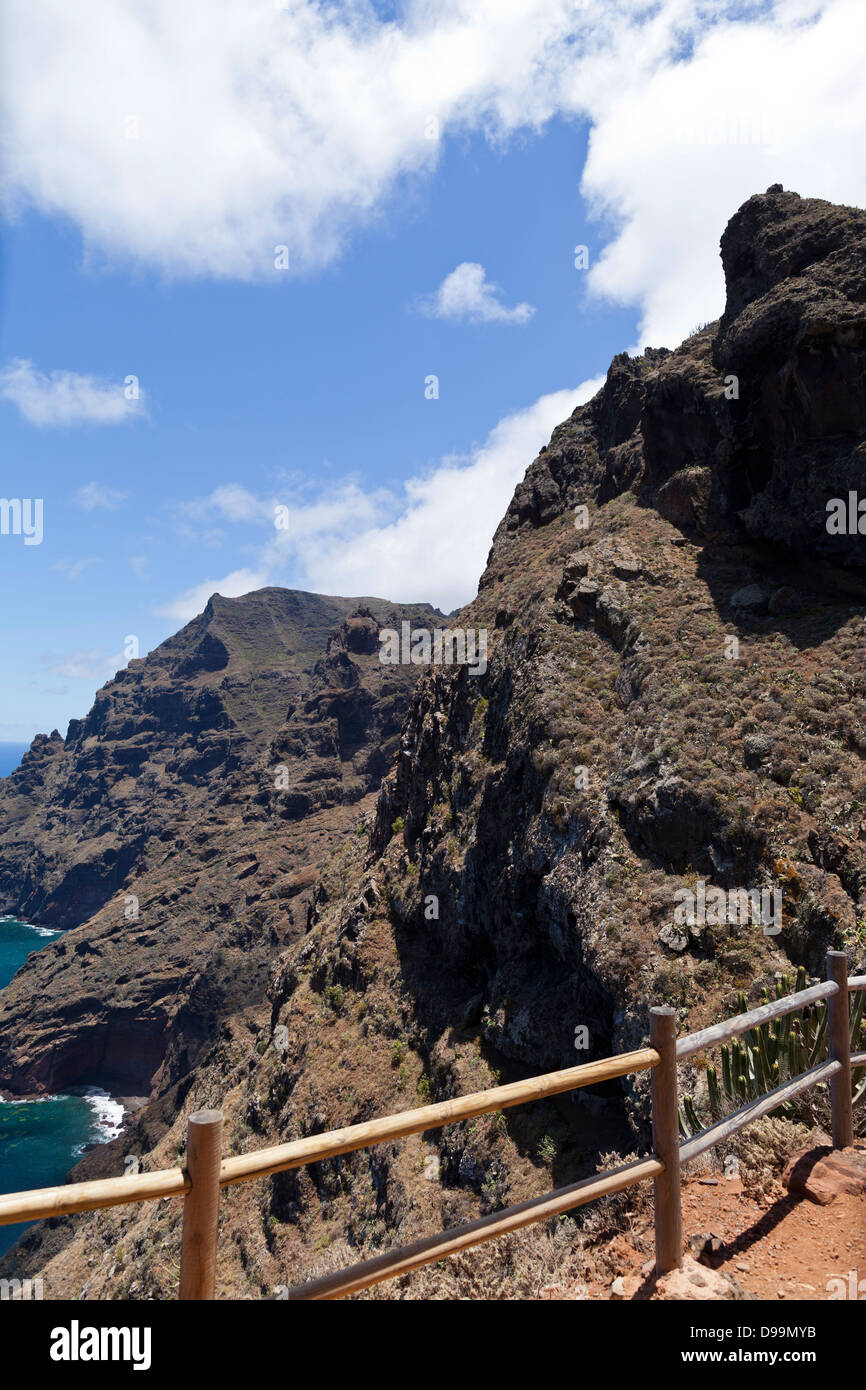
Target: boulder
(822, 1173)
(695, 1281)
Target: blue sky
(305, 387)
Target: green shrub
(333, 996)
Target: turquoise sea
(41, 1139)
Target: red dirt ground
(781, 1248)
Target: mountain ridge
(175, 759)
(675, 690)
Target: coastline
(40, 932)
(82, 1118)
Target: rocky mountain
(175, 832)
(675, 696)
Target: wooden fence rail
(733, 1027)
(204, 1173)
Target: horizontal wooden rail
(447, 1112)
(43, 1202)
(410, 1257)
(201, 1185)
(756, 1110)
(175, 1182)
(741, 1023)
(499, 1223)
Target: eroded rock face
(755, 422)
(161, 836)
(619, 745)
(638, 728)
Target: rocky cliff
(675, 695)
(175, 832)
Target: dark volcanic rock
(161, 837)
(675, 692)
(754, 423)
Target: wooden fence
(206, 1172)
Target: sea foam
(109, 1112)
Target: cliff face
(748, 429)
(675, 692)
(176, 829)
(678, 685)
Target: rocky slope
(676, 692)
(175, 832)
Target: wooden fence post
(666, 1141)
(201, 1205)
(839, 1034)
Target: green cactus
(715, 1093)
(689, 1122)
(776, 1051)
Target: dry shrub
(762, 1149)
(620, 1212)
(522, 1265)
(553, 1259)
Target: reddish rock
(822, 1173)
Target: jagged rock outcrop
(675, 692)
(599, 763)
(756, 422)
(175, 832)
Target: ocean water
(41, 1139)
(10, 756)
(17, 940)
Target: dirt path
(782, 1248)
(787, 1248)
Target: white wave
(38, 931)
(109, 1112)
(31, 1100)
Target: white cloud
(676, 151)
(186, 605)
(230, 502)
(467, 294)
(65, 398)
(199, 140)
(294, 125)
(197, 146)
(430, 544)
(74, 569)
(435, 547)
(94, 665)
(93, 497)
